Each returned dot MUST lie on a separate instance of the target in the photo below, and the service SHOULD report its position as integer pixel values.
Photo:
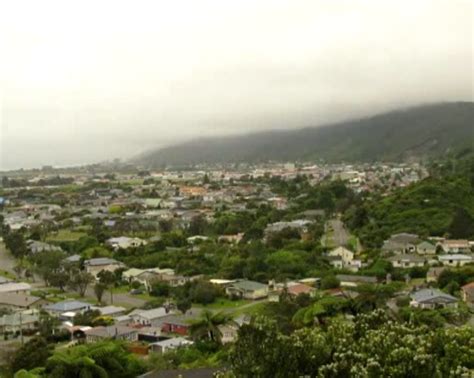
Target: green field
(65, 236)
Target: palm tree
(207, 326)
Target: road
(340, 235)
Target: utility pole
(21, 327)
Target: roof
(248, 285)
(152, 314)
(110, 331)
(425, 244)
(407, 257)
(428, 295)
(455, 256)
(109, 310)
(354, 278)
(404, 237)
(73, 258)
(173, 342)
(18, 299)
(101, 261)
(14, 286)
(65, 306)
(300, 289)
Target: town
(180, 260)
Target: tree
(59, 279)
(99, 290)
(108, 278)
(32, 354)
(207, 326)
(79, 281)
(329, 282)
(99, 360)
(462, 225)
(159, 289)
(183, 305)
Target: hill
(440, 205)
(417, 132)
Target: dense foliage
(372, 346)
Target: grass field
(65, 236)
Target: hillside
(440, 205)
(423, 131)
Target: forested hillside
(442, 204)
(424, 131)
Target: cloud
(87, 81)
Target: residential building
(432, 298)
(21, 300)
(247, 289)
(407, 261)
(116, 332)
(169, 344)
(455, 259)
(97, 265)
(348, 280)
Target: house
(433, 274)
(113, 311)
(407, 261)
(455, 246)
(292, 288)
(229, 333)
(97, 265)
(177, 324)
(35, 247)
(116, 332)
(247, 289)
(169, 344)
(13, 300)
(300, 225)
(425, 248)
(233, 239)
(344, 258)
(349, 280)
(431, 299)
(15, 287)
(125, 242)
(19, 321)
(467, 293)
(67, 306)
(401, 243)
(455, 259)
(151, 318)
(146, 276)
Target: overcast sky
(84, 81)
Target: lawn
(4, 273)
(224, 304)
(65, 236)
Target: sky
(87, 81)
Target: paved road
(340, 234)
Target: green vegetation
(372, 346)
(437, 206)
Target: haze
(87, 81)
